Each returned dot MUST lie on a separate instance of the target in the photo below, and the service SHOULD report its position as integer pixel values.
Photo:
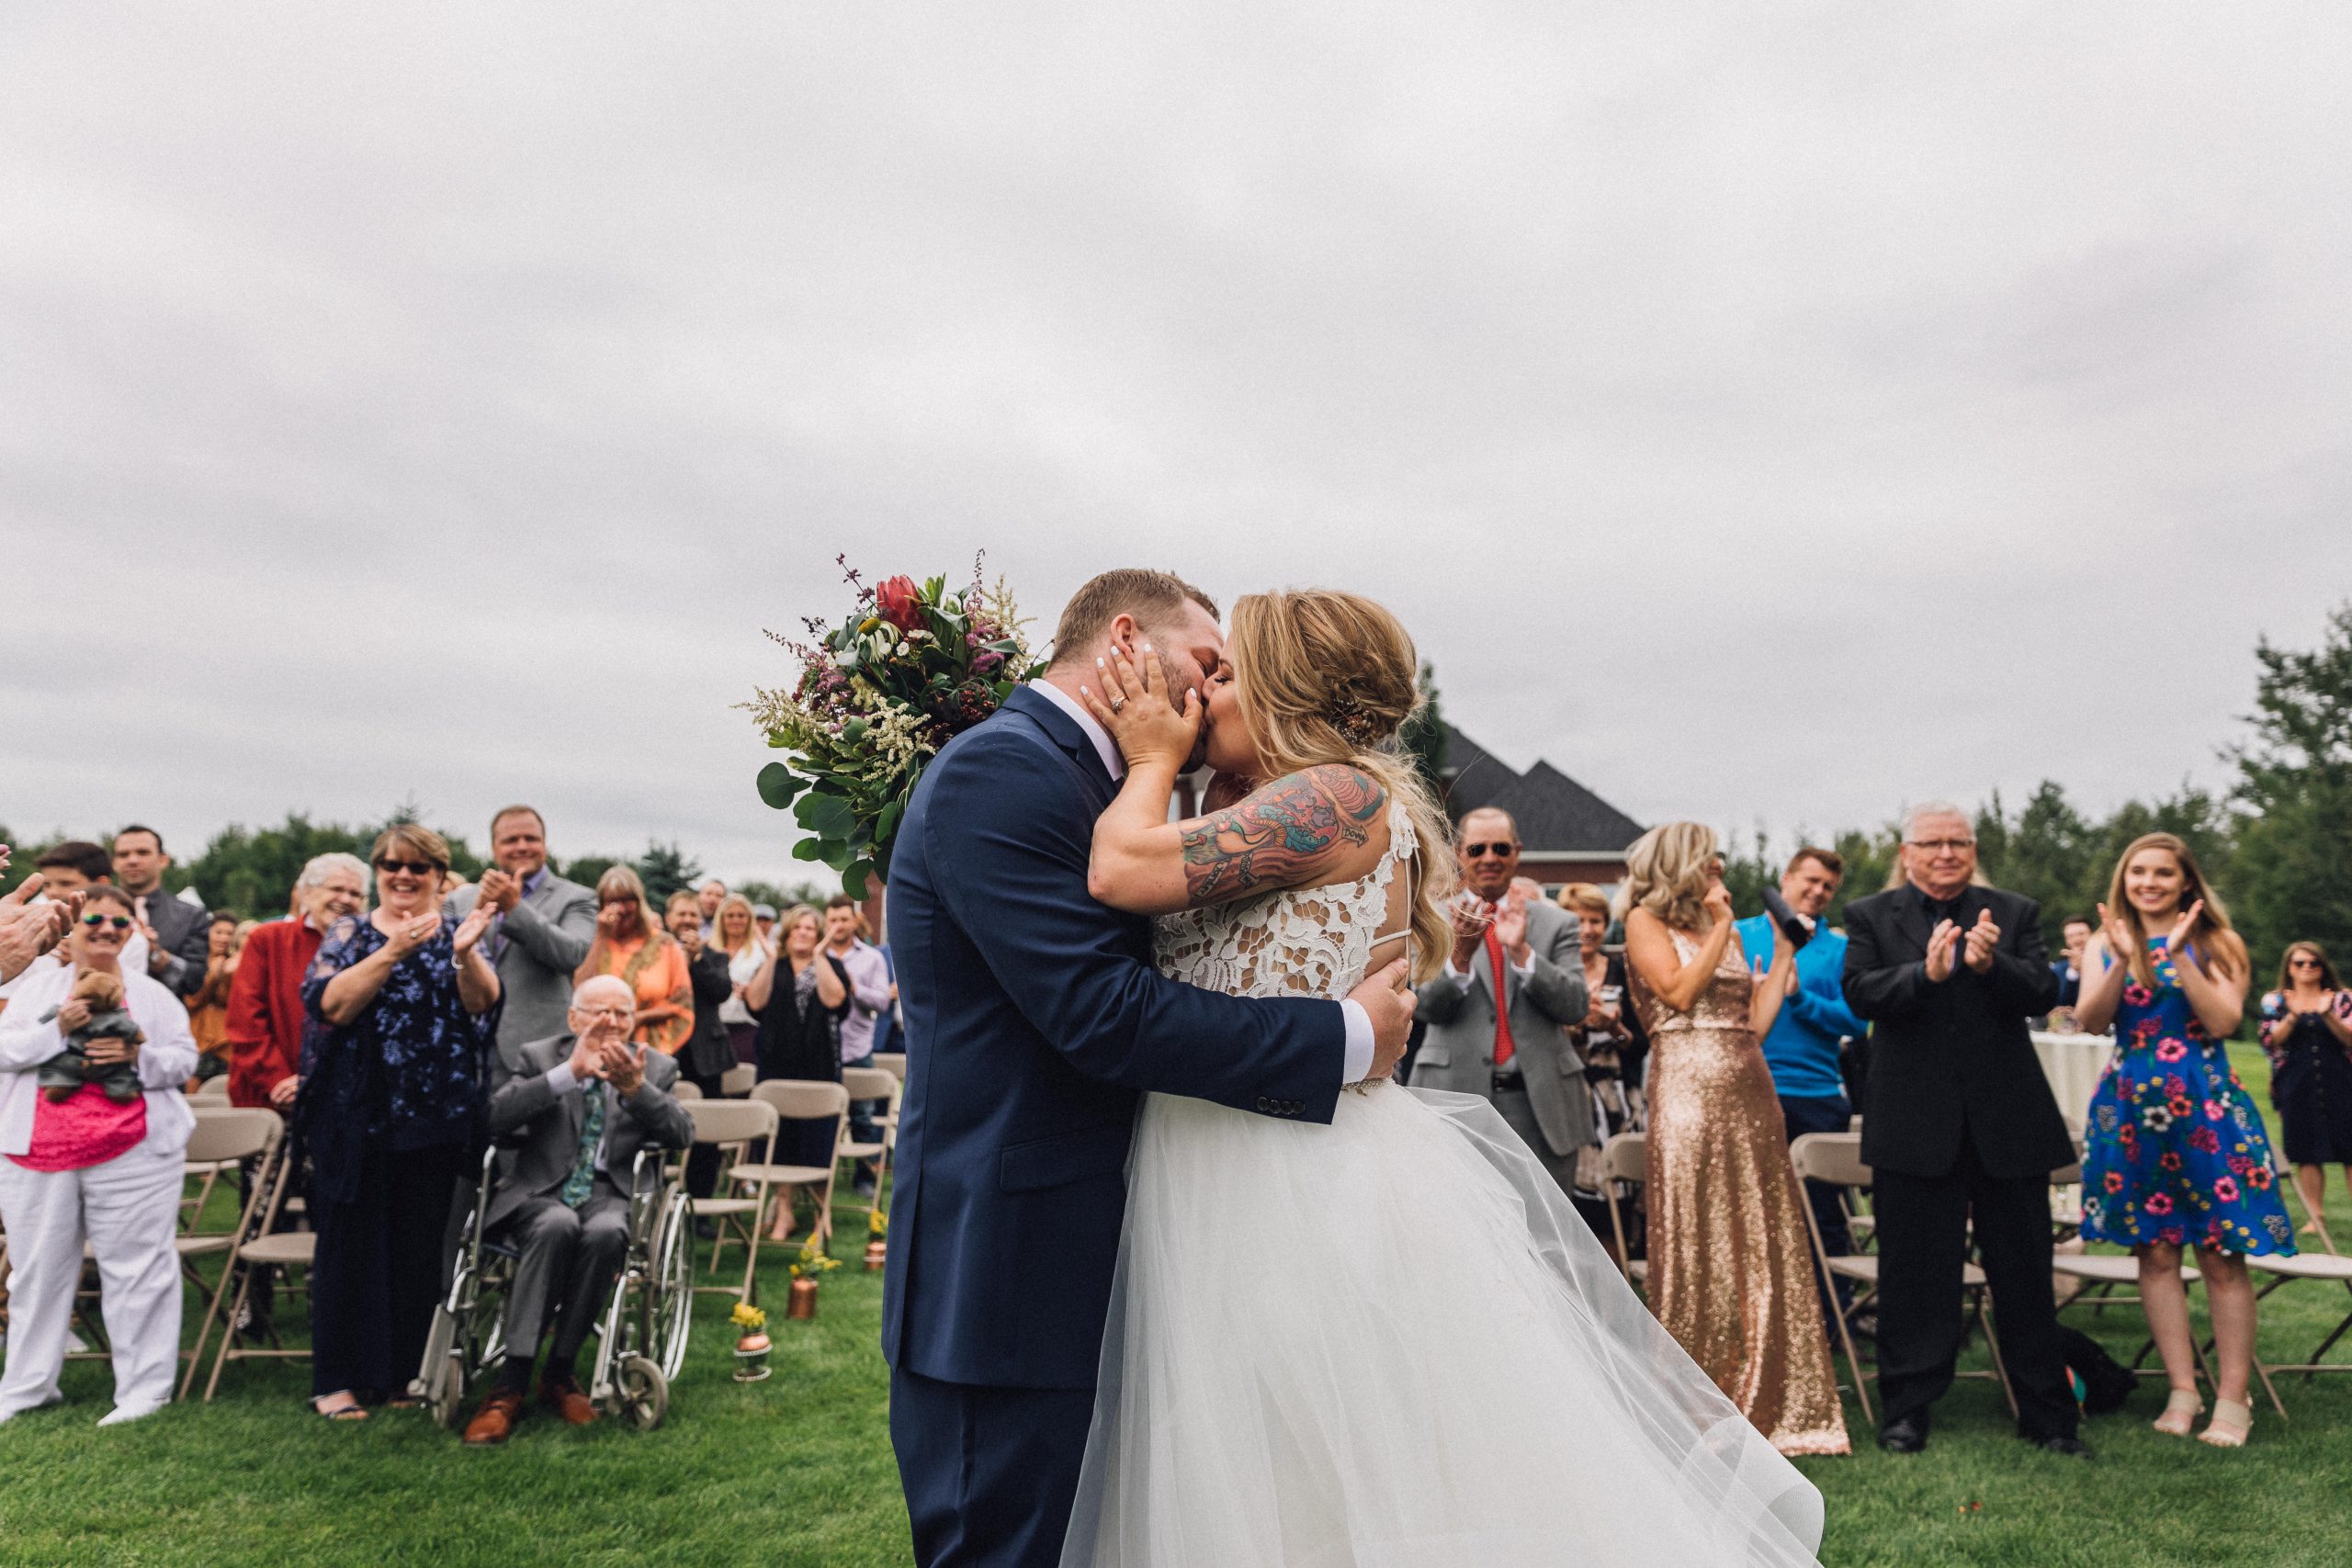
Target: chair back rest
(736, 1081)
(803, 1099)
(868, 1083)
(232, 1132)
(212, 1089)
(1834, 1157)
(682, 1090)
(893, 1062)
(730, 1121)
(1626, 1157)
(2067, 1175)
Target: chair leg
(751, 1249)
(221, 1357)
(1993, 1343)
(204, 1325)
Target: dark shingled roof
(1556, 814)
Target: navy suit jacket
(1034, 1022)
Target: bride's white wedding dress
(1389, 1342)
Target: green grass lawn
(798, 1470)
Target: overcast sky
(1763, 413)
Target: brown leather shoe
(566, 1399)
(494, 1422)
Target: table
(2072, 1064)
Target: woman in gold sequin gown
(1730, 1266)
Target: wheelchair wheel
(672, 1281)
(641, 1393)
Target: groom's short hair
(1150, 596)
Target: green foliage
(666, 869)
(1424, 734)
(2293, 876)
(251, 870)
(783, 898)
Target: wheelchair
(640, 1339)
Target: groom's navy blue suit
(1034, 1021)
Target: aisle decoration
(808, 1273)
(877, 1249)
(751, 1348)
(910, 667)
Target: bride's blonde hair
(1329, 677)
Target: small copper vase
(752, 1357)
(804, 1298)
(877, 1252)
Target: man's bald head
(600, 998)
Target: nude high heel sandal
(2181, 1411)
(2231, 1425)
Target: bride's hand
(1134, 705)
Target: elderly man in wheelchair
(579, 1199)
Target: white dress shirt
(1356, 1065)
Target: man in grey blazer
(1495, 1015)
(179, 935)
(542, 934)
(575, 1114)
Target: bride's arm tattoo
(1280, 836)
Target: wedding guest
(88, 1167)
(208, 1010)
(1802, 1049)
(705, 1055)
(2178, 1155)
(869, 999)
(709, 897)
(2068, 968)
(77, 865)
(2307, 1034)
(1614, 1047)
(629, 944)
(175, 930)
(1731, 1274)
(763, 921)
(738, 938)
(1959, 1127)
(1497, 1013)
(395, 1079)
(541, 926)
(264, 1026)
(799, 996)
(30, 929)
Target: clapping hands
(408, 935)
(1471, 916)
(500, 891)
(470, 930)
(1984, 938)
(1950, 947)
(28, 929)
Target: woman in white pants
(90, 1167)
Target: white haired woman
(85, 1165)
(1731, 1273)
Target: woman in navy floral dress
(403, 1008)
(2177, 1155)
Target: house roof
(1556, 814)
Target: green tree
(1747, 872)
(587, 869)
(782, 897)
(2047, 854)
(2293, 868)
(1424, 734)
(666, 869)
(1870, 859)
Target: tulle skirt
(1391, 1343)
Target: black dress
(2310, 1083)
(800, 1037)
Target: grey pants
(1521, 1117)
(569, 1258)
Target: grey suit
(570, 1255)
(1551, 1109)
(185, 930)
(537, 945)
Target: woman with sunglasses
(88, 1167)
(2307, 1033)
(395, 1078)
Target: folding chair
(730, 1124)
(255, 1249)
(226, 1136)
(207, 1172)
(1624, 1158)
(212, 1089)
(2101, 1274)
(736, 1081)
(801, 1099)
(682, 1090)
(893, 1062)
(2325, 1265)
(869, 1083)
(1837, 1158)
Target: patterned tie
(582, 1179)
(1504, 1048)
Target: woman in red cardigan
(265, 1028)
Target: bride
(1388, 1342)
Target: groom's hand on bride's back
(1386, 997)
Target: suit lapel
(1911, 917)
(1063, 732)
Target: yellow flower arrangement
(813, 1264)
(748, 1318)
(877, 1223)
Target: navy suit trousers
(989, 1473)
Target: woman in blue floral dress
(2177, 1155)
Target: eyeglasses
(2302, 962)
(624, 1014)
(120, 923)
(1480, 851)
(414, 867)
(1938, 846)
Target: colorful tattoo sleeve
(1282, 836)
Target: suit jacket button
(1265, 1106)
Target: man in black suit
(1959, 1123)
(179, 935)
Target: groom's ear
(1122, 632)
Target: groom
(1034, 1021)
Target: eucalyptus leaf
(809, 850)
(827, 816)
(779, 784)
(854, 877)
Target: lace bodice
(1313, 941)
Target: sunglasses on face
(120, 923)
(1480, 851)
(2302, 964)
(414, 867)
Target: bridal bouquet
(910, 667)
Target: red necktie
(1503, 1046)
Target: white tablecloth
(2072, 1064)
